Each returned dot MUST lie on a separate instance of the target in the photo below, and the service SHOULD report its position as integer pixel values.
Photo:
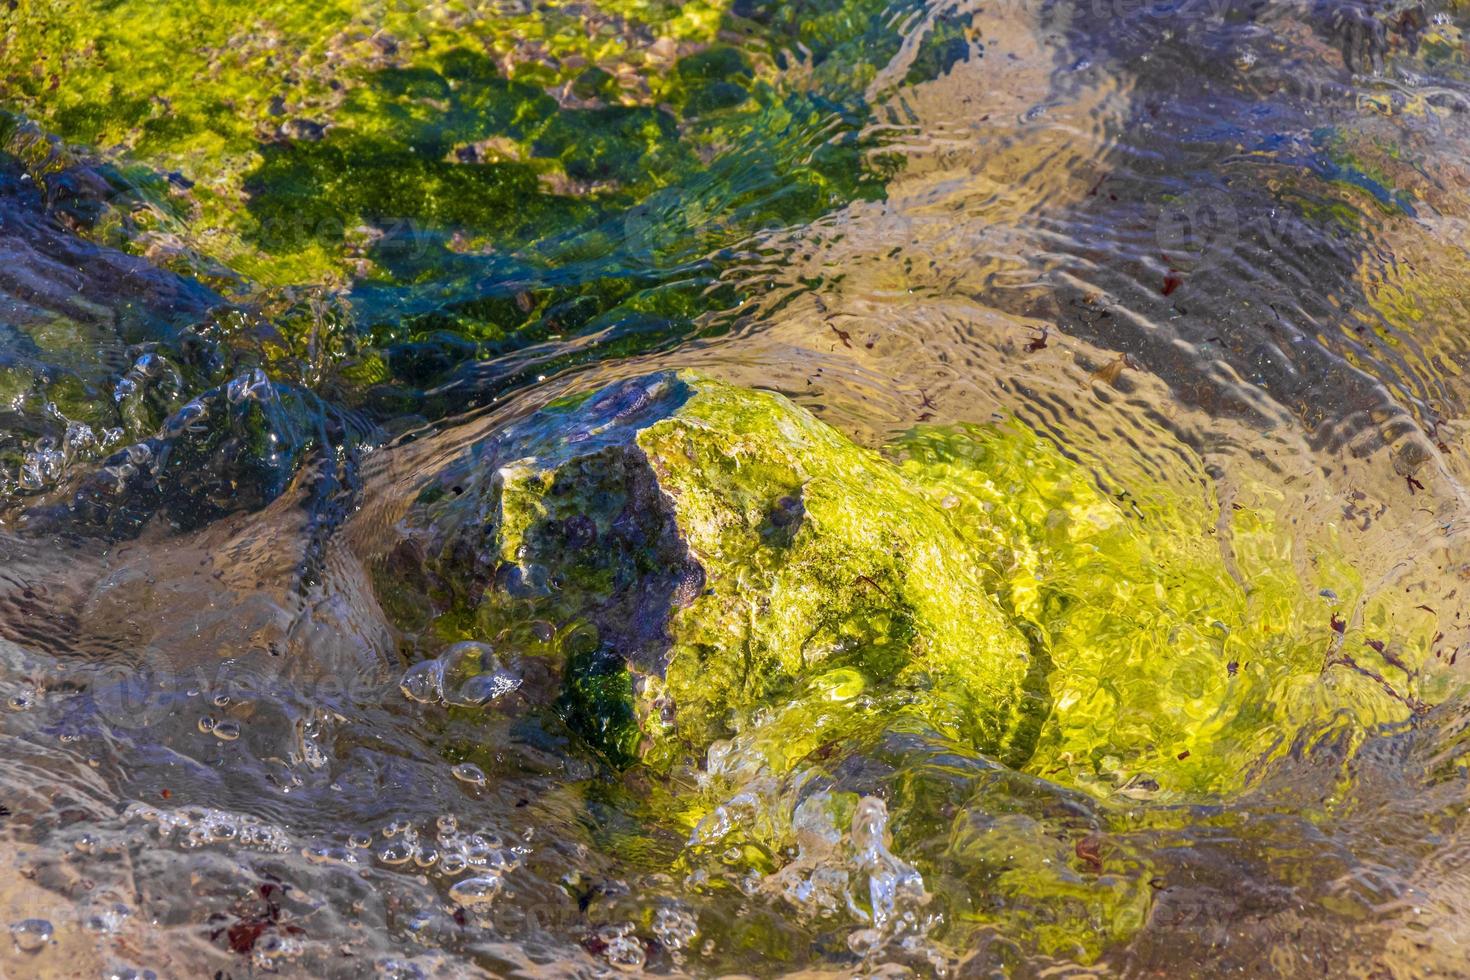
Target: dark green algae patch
(396, 211)
(468, 180)
(711, 561)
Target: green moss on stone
(1186, 653)
(729, 564)
(725, 548)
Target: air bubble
(270, 951)
(227, 731)
(396, 852)
(484, 688)
(424, 682)
(466, 675)
(482, 857)
(31, 935)
(108, 920)
(675, 928)
(476, 891)
(468, 772)
(329, 854)
(391, 969)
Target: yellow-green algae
(708, 550)
(719, 561)
(1187, 650)
(729, 585)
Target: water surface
(263, 268)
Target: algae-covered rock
(712, 562)
(1188, 648)
(703, 550)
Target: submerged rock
(704, 550)
(714, 563)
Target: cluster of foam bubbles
(676, 928)
(476, 862)
(448, 852)
(105, 918)
(843, 868)
(466, 675)
(273, 951)
(393, 968)
(621, 946)
(199, 826)
(45, 462)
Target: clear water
(1216, 244)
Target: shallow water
(263, 272)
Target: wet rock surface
(700, 551)
(1132, 649)
(702, 561)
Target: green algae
(385, 193)
(722, 563)
(1186, 647)
(379, 112)
(378, 195)
(1145, 657)
(1030, 670)
(710, 550)
(1139, 649)
(469, 179)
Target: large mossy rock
(703, 550)
(706, 562)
